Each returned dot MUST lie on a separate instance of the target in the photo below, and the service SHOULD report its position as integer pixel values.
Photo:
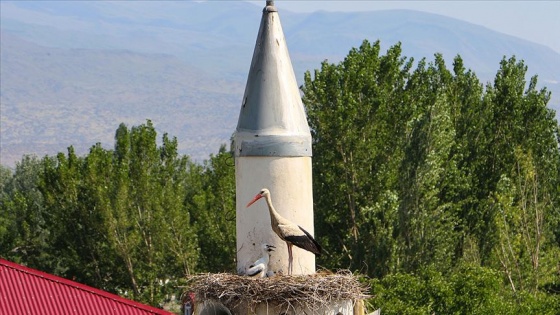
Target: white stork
(259, 268)
(289, 232)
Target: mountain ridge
(184, 66)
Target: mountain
(53, 98)
(72, 71)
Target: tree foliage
(468, 290)
(214, 213)
(123, 220)
(424, 167)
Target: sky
(536, 21)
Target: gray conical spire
(272, 119)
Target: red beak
(257, 197)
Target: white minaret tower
(272, 150)
(272, 146)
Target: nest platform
(313, 293)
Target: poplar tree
(428, 167)
(356, 112)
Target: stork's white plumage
(289, 232)
(260, 267)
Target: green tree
(430, 168)
(104, 268)
(467, 194)
(118, 219)
(526, 161)
(148, 223)
(22, 224)
(60, 186)
(427, 215)
(6, 217)
(356, 112)
(180, 235)
(468, 289)
(214, 214)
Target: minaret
(272, 150)
(272, 145)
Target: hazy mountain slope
(72, 71)
(79, 97)
(223, 33)
(216, 36)
(421, 35)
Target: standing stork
(289, 232)
(260, 267)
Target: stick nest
(312, 291)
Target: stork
(259, 267)
(289, 232)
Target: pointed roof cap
(272, 120)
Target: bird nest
(308, 291)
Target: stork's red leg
(290, 258)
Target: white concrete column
(289, 182)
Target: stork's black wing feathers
(306, 242)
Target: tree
(469, 115)
(148, 223)
(356, 112)
(429, 168)
(118, 219)
(213, 205)
(427, 214)
(526, 196)
(22, 225)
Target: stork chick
(260, 267)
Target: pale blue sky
(537, 21)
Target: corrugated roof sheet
(28, 291)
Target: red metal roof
(28, 291)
